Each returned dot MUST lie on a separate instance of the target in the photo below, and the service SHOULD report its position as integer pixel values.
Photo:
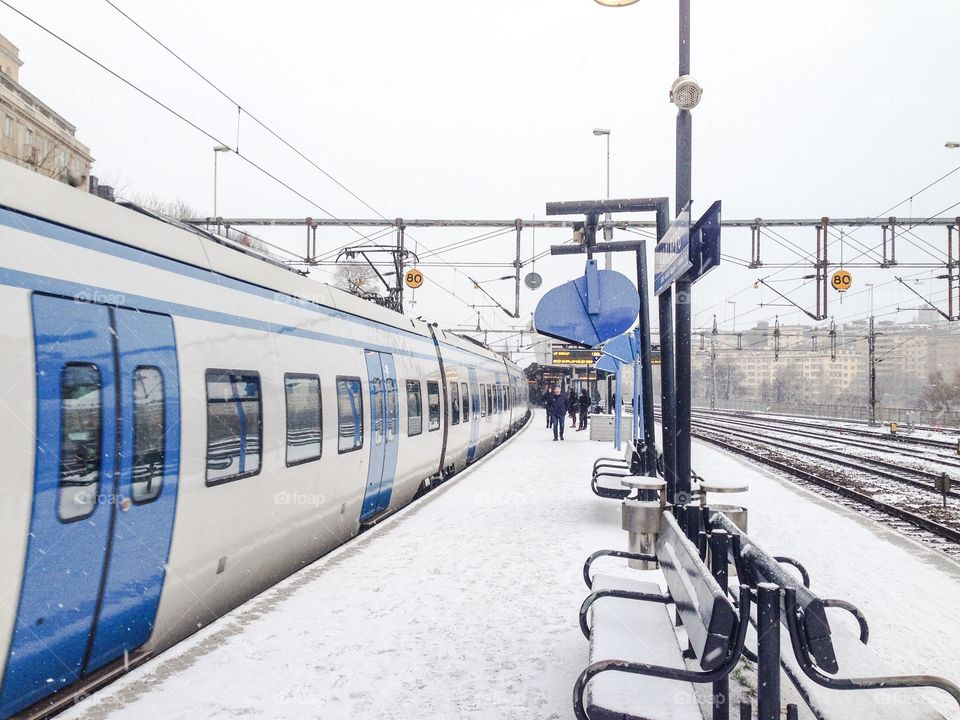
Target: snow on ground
(465, 604)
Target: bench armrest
(624, 594)
(609, 493)
(855, 611)
(804, 575)
(668, 673)
(598, 461)
(611, 553)
(865, 683)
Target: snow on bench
(625, 629)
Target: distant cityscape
(917, 364)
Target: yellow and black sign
(841, 280)
(413, 278)
(574, 356)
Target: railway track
(881, 444)
(874, 467)
(927, 522)
(949, 445)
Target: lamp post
(607, 234)
(217, 150)
(675, 317)
(734, 303)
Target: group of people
(559, 406)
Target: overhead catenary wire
(250, 161)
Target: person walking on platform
(584, 409)
(546, 404)
(572, 405)
(557, 410)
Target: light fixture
(600, 131)
(615, 3)
(686, 92)
(952, 144)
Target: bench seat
(641, 632)
(857, 660)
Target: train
(185, 422)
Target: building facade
(32, 134)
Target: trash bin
(641, 520)
(738, 516)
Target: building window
(80, 445)
(149, 434)
(304, 418)
(454, 404)
(414, 408)
(465, 393)
(8, 126)
(234, 425)
(349, 414)
(433, 405)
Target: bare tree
(356, 278)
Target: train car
(186, 422)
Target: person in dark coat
(557, 410)
(572, 406)
(584, 409)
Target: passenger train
(184, 422)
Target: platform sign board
(705, 243)
(672, 254)
(568, 355)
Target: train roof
(29, 192)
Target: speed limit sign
(413, 278)
(841, 280)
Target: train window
(483, 400)
(465, 408)
(490, 399)
(376, 410)
(146, 479)
(80, 440)
(392, 414)
(304, 424)
(234, 425)
(454, 404)
(349, 414)
(414, 408)
(433, 404)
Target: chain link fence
(902, 416)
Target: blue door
(104, 493)
(382, 378)
(474, 414)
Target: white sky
(485, 110)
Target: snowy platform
(465, 604)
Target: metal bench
(606, 468)
(820, 651)
(631, 632)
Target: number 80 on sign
(413, 278)
(841, 280)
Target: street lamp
(607, 229)
(950, 144)
(216, 150)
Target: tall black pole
(646, 369)
(683, 287)
(668, 393)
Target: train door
(474, 414)
(382, 378)
(105, 484)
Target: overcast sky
(485, 110)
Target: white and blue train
(183, 424)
